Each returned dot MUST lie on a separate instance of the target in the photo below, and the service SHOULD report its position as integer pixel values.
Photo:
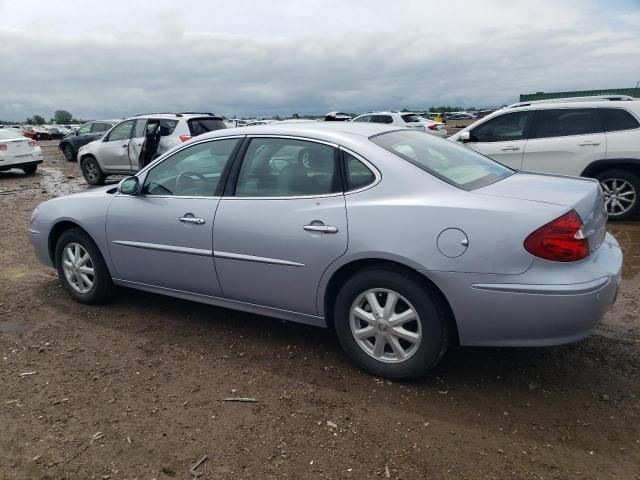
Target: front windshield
(452, 163)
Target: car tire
(622, 193)
(69, 153)
(84, 287)
(92, 172)
(30, 169)
(429, 331)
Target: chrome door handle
(510, 149)
(321, 228)
(583, 144)
(196, 220)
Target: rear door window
(567, 122)
(358, 174)
(381, 119)
(198, 126)
(411, 118)
(505, 128)
(617, 119)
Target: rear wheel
(30, 169)
(390, 324)
(68, 152)
(92, 172)
(81, 268)
(621, 190)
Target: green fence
(528, 97)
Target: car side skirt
(307, 319)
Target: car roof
(173, 116)
(634, 104)
(328, 131)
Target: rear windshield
(198, 126)
(455, 164)
(410, 118)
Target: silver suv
(597, 137)
(136, 141)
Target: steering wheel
(186, 175)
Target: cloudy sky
(263, 57)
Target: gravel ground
(134, 388)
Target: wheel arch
(338, 277)
(57, 230)
(599, 166)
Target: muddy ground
(134, 389)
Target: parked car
(87, 133)
(459, 116)
(35, 133)
(404, 119)
(18, 151)
(136, 141)
(54, 133)
(401, 242)
(594, 138)
(337, 117)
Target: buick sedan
(400, 242)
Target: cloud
(307, 58)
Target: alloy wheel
(619, 196)
(78, 267)
(385, 325)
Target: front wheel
(390, 324)
(92, 172)
(68, 152)
(621, 189)
(81, 268)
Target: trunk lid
(17, 147)
(584, 195)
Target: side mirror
(129, 186)
(464, 137)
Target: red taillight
(434, 126)
(184, 138)
(561, 240)
(3, 146)
(33, 143)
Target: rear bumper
(17, 162)
(529, 310)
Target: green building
(528, 97)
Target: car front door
(502, 138)
(114, 150)
(281, 225)
(137, 143)
(565, 141)
(162, 236)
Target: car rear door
(162, 236)
(565, 141)
(281, 224)
(502, 138)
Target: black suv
(86, 133)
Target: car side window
(358, 174)
(99, 127)
(364, 118)
(505, 128)
(122, 131)
(566, 122)
(282, 167)
(381, 119)
(192, 171)
(140, 129)
(85, 129)
(617, 119)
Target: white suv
(597, 138)
(136, 141)
(405, 119)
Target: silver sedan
(402, 243)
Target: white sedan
(20, 152)
(404, 119)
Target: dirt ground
(134, 389)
